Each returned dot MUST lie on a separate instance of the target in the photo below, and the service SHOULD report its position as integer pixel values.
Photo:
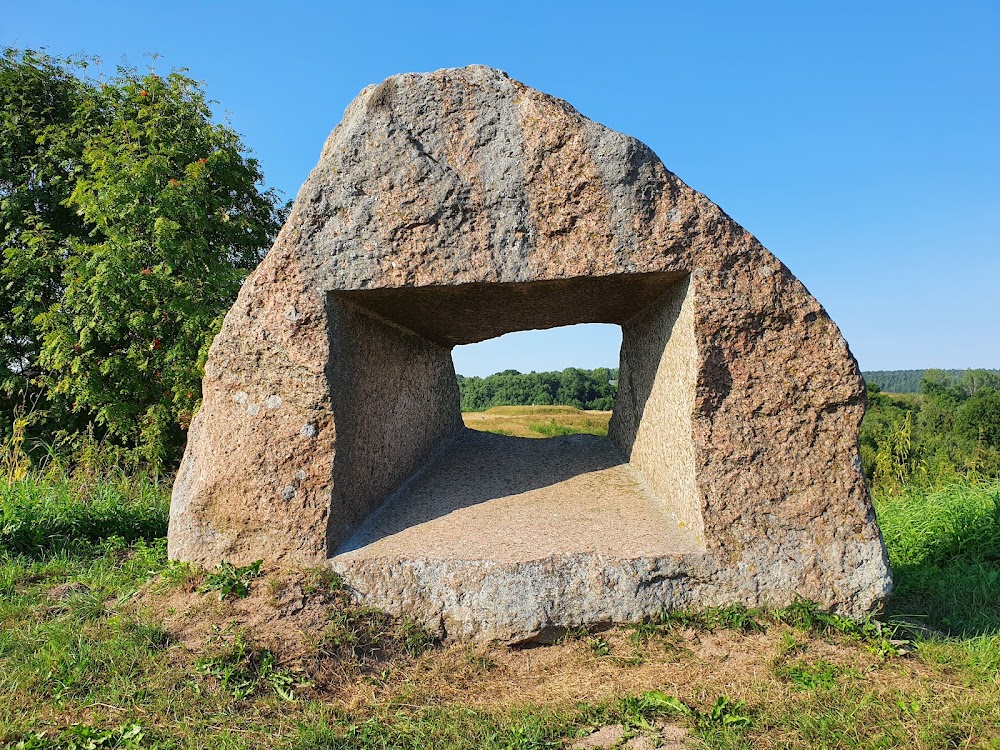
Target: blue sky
(859, 141)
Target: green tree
(40, 149)
(166, 217)
(978, 418)
(974, 381)
(943, 396)
(585, 389)
(932, 438)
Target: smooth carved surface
(508, 499)
(396, 400)
(452, 206)
(651, 423)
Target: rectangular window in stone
(415, 484)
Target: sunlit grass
(79, 662)
(538, 421)
(40, 515)
(944, 550)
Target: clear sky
(859, 141)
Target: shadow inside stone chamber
(410, 480)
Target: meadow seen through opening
(525, 389)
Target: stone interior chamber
(410, 476)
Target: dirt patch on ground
(304, 619)
(685, 662)
(284, 612)
(354, 657)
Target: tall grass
(944, 549)
(552, 428)
(48, 505)
(42, 515)
(74, 545)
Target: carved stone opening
(410, 479)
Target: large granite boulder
(455, 206)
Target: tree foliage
(584, 389)
(951, 429)
(40, 148)
(978, 418)
(130, 219)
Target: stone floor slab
(506, 499)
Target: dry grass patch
(776, 685)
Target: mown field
(103, 643)
(538, 421)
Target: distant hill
(904, 381)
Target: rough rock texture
(455, 206)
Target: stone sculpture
(455, 206)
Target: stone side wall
(255, 480)
(651, 423)
(395, 400)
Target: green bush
(949, 432)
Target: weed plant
(231, 580)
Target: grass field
(103, 644)
(538, 421)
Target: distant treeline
(584, 389)
(907, 381)
(596, 389)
